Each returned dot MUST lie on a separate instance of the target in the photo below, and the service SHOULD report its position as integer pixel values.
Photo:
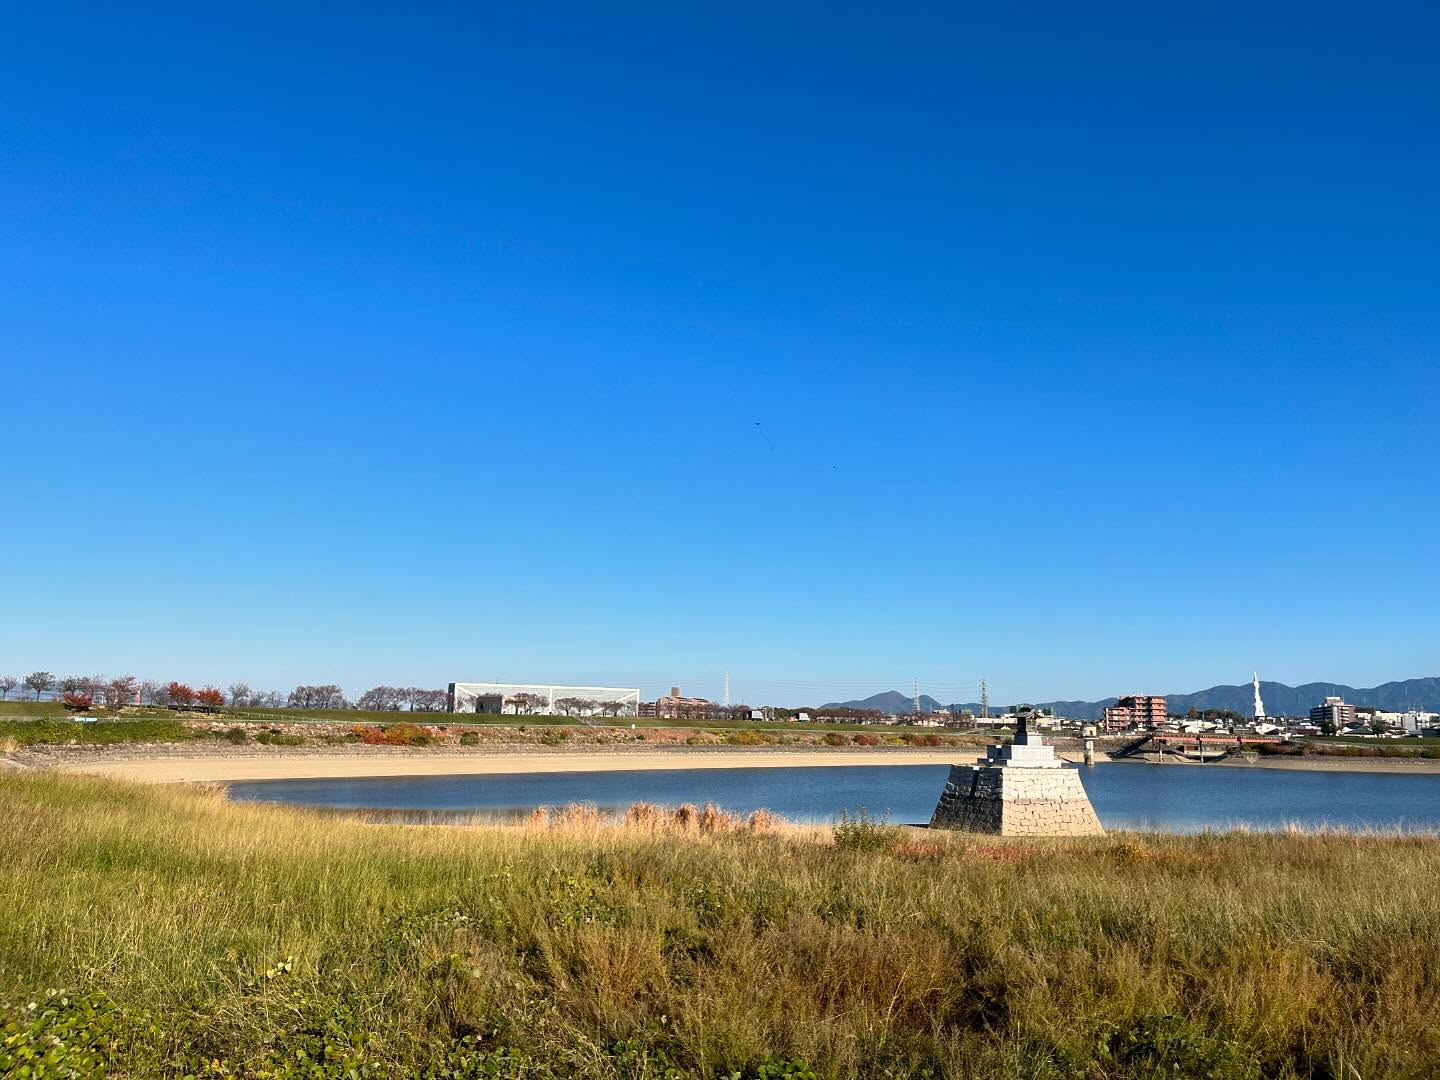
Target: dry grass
(258, 940)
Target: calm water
(1172, 797)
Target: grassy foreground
(182, 934)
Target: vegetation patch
(96, 733)
(404, 734)
(250, 940)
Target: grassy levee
(10, 710)
(189, 935)
(465, 719)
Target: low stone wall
(1009, 801)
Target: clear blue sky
(1089, 352)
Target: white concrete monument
(1021, 789)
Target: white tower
(1259, 705)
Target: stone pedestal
(1019, 790)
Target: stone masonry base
(1016, 802)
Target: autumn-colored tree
(180, 694)
(121, 691)
(210, 697)
(76, 701)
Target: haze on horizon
(1090, 353)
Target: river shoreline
(1309, 763)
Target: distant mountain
(1280, 700)
(889, 701)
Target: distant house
(675, 706)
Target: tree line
(128, 690)
(84, 690)
(395, 698)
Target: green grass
(188, 935)
(31, 709)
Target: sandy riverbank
(343, 764)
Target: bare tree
(39, 682)
(527, 704)
(381, 698)
(428, 701)
(577, 706)
(120, 691)
(74, 684)
(239, 694)
(153, 693)
(7, 683)
(327, 696)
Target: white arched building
(522, 698)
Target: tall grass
(192, 935)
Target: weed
(864, 833)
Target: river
(1174, 798)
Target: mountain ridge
(1280, 699)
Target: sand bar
(174, 770)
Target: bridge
(1200, 747)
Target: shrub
(835, 738)
(763, 820)
(713, 819)
(867, 740)
(864, 833)
(236, 736)
(748, 738)
(644, 814)
(470, 738)
(370, 736)
(554, 738)
(276, 738)
(407, 734)
(77, 702)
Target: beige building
(1136, 710)
(675, 706)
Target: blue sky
(1089, 354)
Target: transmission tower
(917, 695)
(727, 689)
(984, 701)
